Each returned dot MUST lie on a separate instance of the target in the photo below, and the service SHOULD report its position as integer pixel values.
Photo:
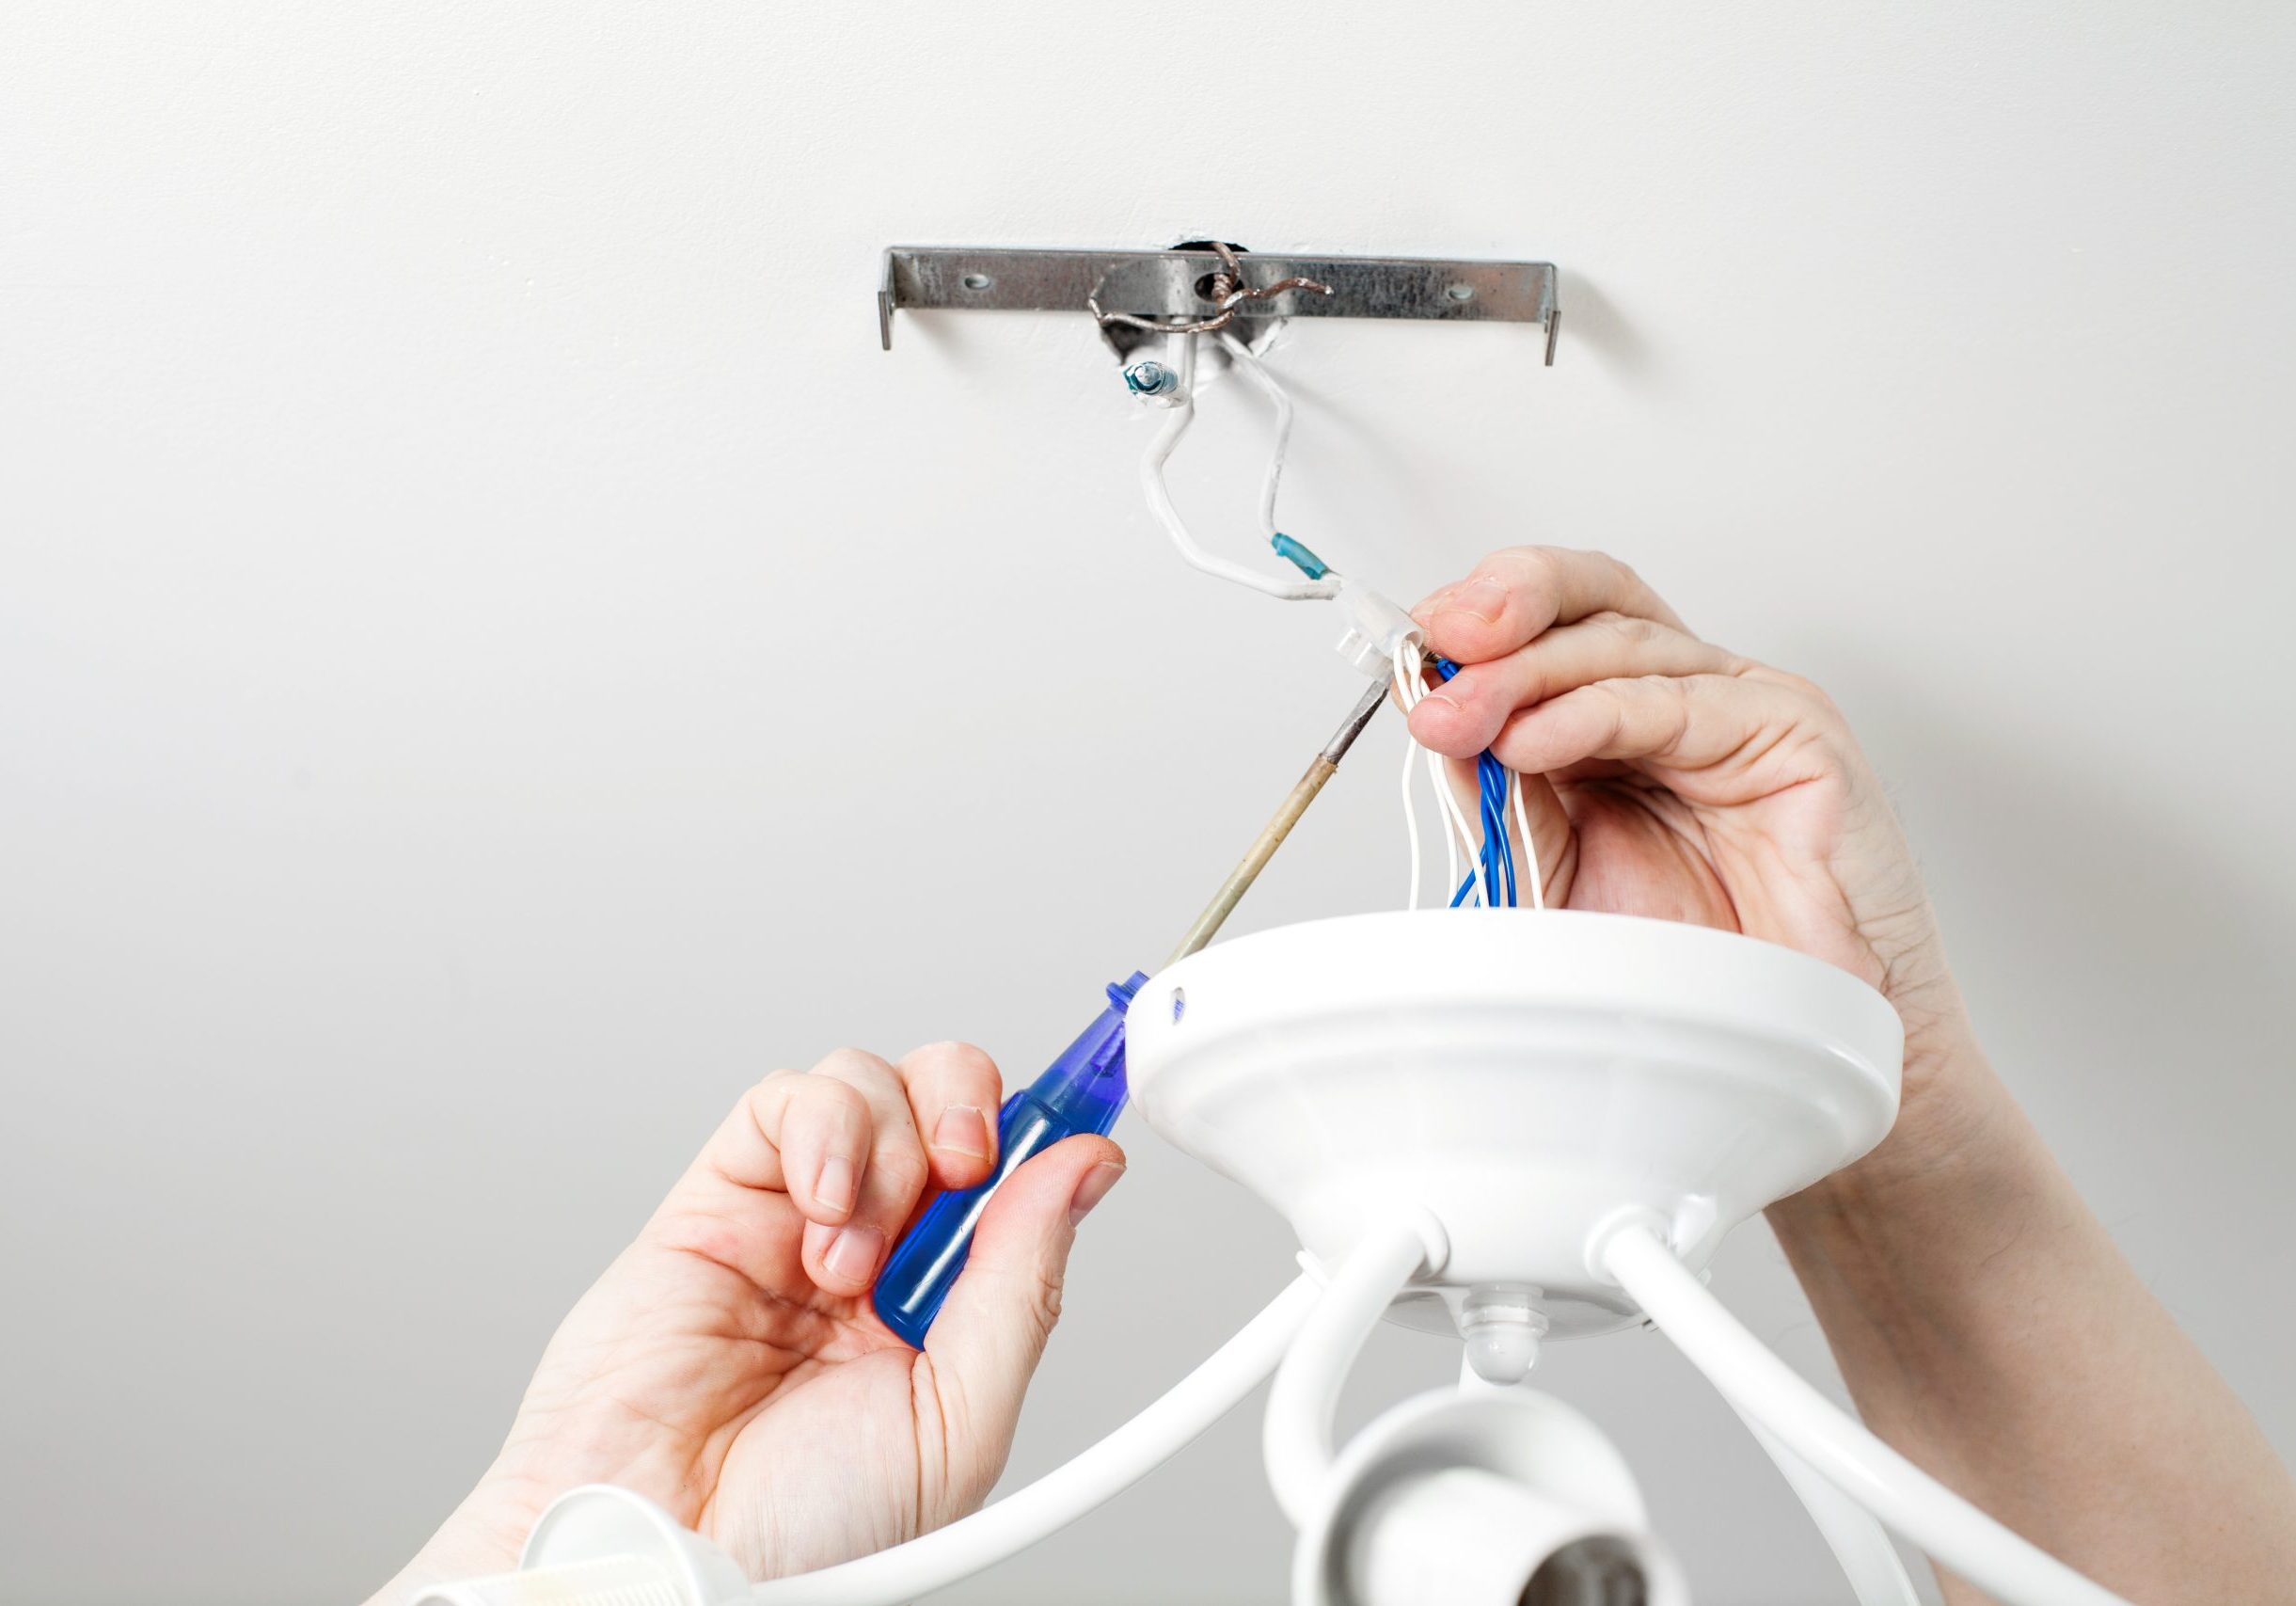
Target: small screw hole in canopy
(1179, 1002)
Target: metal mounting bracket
(1177, 284)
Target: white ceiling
(492, 658)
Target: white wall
(492, 658)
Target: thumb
(986, 1342)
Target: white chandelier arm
(1297, 1437)
(1831, 1442)
(1089, 1479)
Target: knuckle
(820, 1098)
(1631, 629)
(855, 1069)
(1821, 699)
(1545, 565)
(1673, 690)
(901, 1167)
(952, 1058)
(1033, 1291)
(1039, 1292)
(1518, 568)
(773, 1092)
(1533, 682)
(1802, 688)
(1607, 715)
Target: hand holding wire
(1492, 880)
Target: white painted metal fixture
(1511, 1127)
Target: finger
(1460, 716)
(954, 1091)
(1513, 596)
(1719, 725)
(756, 1147)
(986, 1342)
(841, 1249)
(792, 1137)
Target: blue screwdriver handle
(1082, 1091)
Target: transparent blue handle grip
(1082, 1091)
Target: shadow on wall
(1590, 319)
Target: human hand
(1957, 1261)
(1665, 776)
(728, 1365)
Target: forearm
(481, 1537)
(1988, 1327)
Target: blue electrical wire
(1496, 864)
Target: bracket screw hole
(977, 282)
(1460, 292)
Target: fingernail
(833, 1188)
(962, 1130)
(1446, 699)
(1093, 1188)
(1434, 604)
(853, 1254)
(1484, 598)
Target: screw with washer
(1152, 379)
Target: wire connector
(1375, 627)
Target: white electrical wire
(1456, 833)
(1450, 842)
(1460, 839)
(1160, 496)
(1530, 845)
(1249, 364)
(1457, 836)
(1411, 752)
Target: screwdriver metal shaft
(1272, 836)
(1085, 1088)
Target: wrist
(483, 1537)
(1956, 1125)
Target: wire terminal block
(1375, 629)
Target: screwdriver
(1083, 1090)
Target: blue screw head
(1150, 379)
